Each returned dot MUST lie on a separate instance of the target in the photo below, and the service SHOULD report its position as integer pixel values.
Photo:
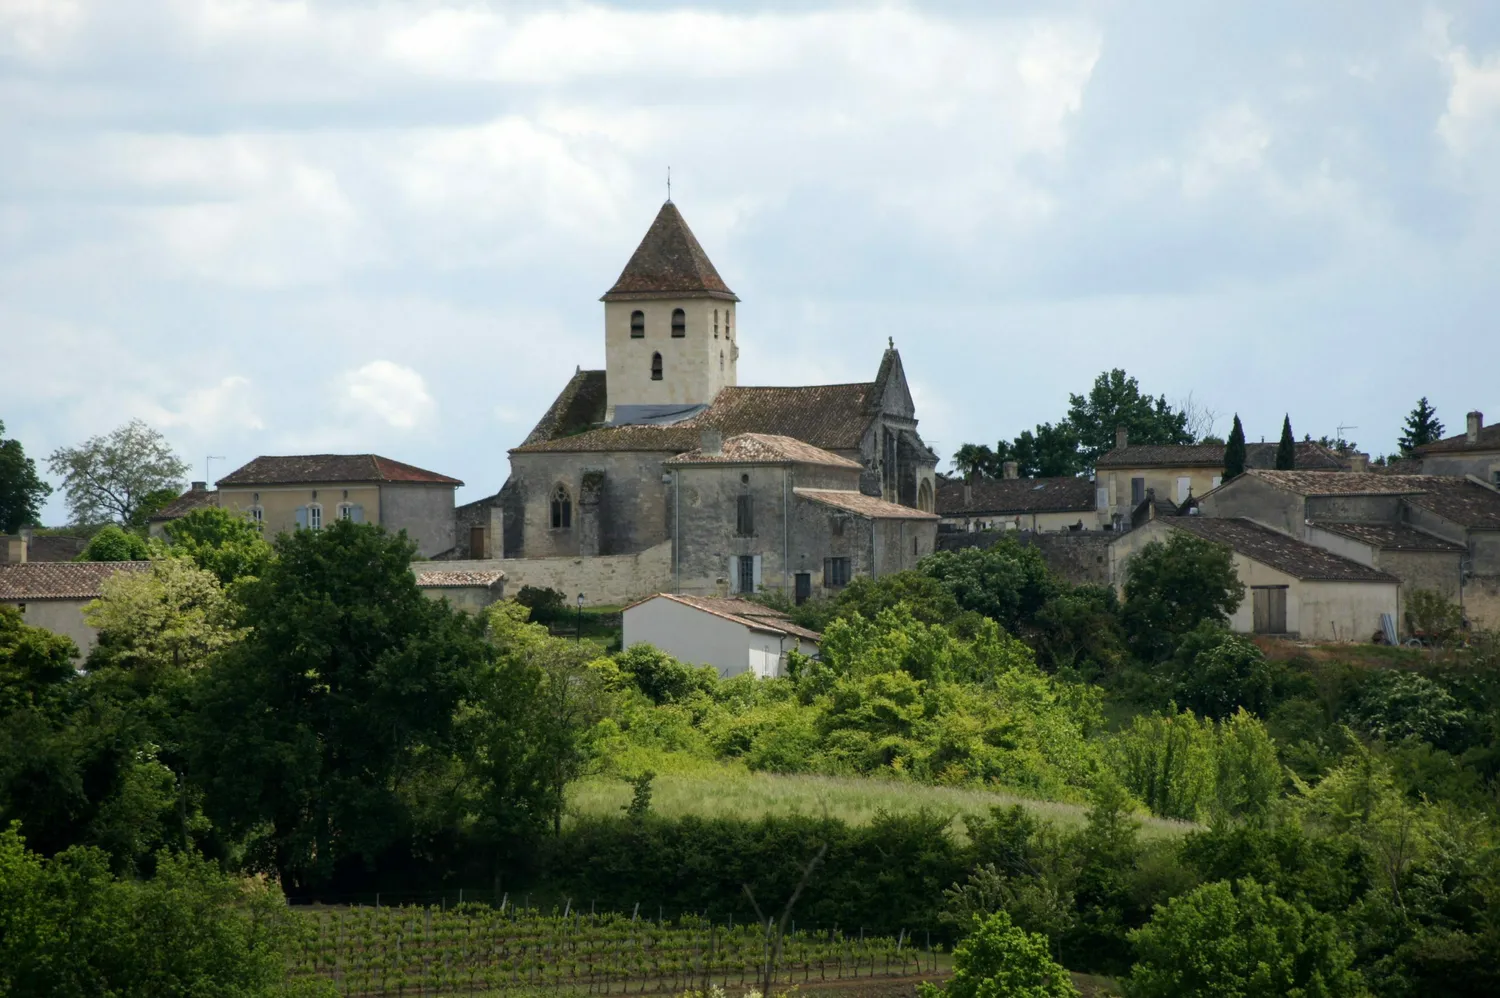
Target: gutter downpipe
(786, 542)
(677, 530)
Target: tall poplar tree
(1234, 451)
(1286, 450)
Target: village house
(1476, 451)
(306, 491)
(53, 594)
(464, 590)
(732, 635)
(1039, 505)
(1292, 588)
(593, 501)
(1430, 531)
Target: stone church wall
(608, 579)
(627, 507)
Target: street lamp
(578, 631)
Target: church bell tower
(671, 339)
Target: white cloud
(393, 393)
(1473, 107)
(227, 407)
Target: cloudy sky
(283, 227)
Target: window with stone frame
(835, 572)
(656, 367)
(744, 516)
(679, 323)
(562, 509)
(637, 325)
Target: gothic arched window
(562, 509)
(656, 367)
(679, 322)
(637, 325)
(924, 496)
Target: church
(739, 489)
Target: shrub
(1214, 672)
(546, 605)
(998, 959)
(1430, 613)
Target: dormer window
(679, 323)
(656, 367)
(637, 325)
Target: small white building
(732, 635)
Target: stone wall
(425, 512)
(1080, 558)
(1253, 499)
(626, 500)
(608, 579)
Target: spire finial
(669, 185)
(890, 342)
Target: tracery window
(562, 509)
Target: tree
(328, 735)
(1422, 428)
(1286, 449)
(173, 617)
(21, 491)
(1005, 582)
(108, 478)
(1116, 400)
(1051, 451)
(1234, 451)
(1171, 588)
(999, 959)
(150, 504)
(928, 599)
(975, 460)
(1241, 941)
(1215, 672)
(114, 544)
(221, 542)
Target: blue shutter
(302, 517)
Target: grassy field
(725, 790)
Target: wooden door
(476, 542)
(1269, 609)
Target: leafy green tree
(976, 460)
(221, 542)
(21, 491)
(33, 661)
(174, 616)
(660, 676)
(69, 929)
(1171, 588)
(114, 544)
(151, 502)
(1215, 672)
(1050, 451)
(109, 477)
(1241, 942)
(1422, 428)
(1078, 629)
(1234, 451)
(1005, 582)
(1167, 762)
(927, 599)
(1116, 400)
(999, 960)
(1394, 705)
(1286, 449)
(317, 736)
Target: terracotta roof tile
(187, 502)
(1163, 456)
(669, 262)
(740, 611)
(54, 547)
(311, 469)
(832, 417)
(1489, 440)
(766, 448)
(61, 579)
(1391, 536)
(437, 579)
(1343, 483)
(1310, 456)
(863, 505)
(992, 496)
(1273, 548)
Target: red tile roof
(863, 505)
(1000, 496)
(61, 579)
(313, 469)
(669, 263)
(766, 448)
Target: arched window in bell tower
(679, 322)
(656, 367)
(637, 325)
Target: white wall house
(732, 635)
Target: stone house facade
(54, 594)
(1476, 451)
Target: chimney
(1122, 438)
(200, 486)
(711, 442)
(1010, 469)
(1359, 463)
(1476, 423)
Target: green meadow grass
(688, 786)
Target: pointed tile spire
(669, 263)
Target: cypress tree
(1286, 451)
(1422, 427)
(1234, 451)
